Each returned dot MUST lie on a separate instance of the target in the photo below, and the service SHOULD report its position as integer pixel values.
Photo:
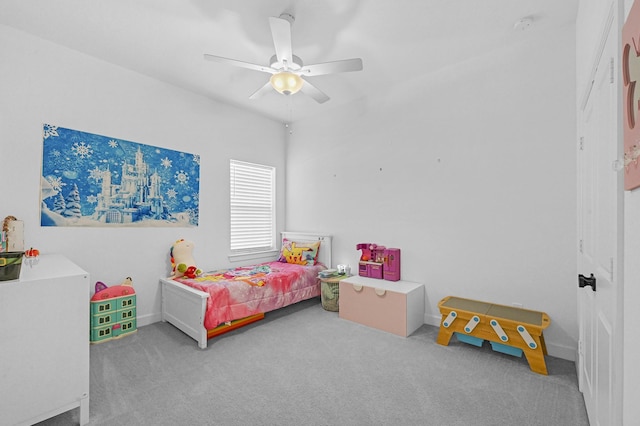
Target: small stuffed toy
(182, 261)
(296, 255)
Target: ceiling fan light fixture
(286, 82)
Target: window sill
(264, 255)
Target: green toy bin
(10, 264)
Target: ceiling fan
(286, 69)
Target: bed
(219, 301)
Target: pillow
(299, 252)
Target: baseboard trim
(561, 351)
(148, 319)
(433, 320)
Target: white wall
(472, 176)
(631, 368)
(41, 82)
(470, 172)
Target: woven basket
(329, 294)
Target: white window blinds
(253, 224)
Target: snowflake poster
(93, 180)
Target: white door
(600, 250)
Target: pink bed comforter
(240, 292)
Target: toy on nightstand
(379, 262)
(182, 261)
(113, 311)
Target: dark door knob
(585, 281)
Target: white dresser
(393, 306)
(44, 342)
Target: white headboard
(324, 256)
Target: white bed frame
(185, 307)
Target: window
(253, 223)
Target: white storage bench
(393, 306)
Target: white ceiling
(398, 41)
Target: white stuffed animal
(182, 261)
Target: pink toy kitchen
(379, 262)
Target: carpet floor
(303, 365)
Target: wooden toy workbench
(506, 325)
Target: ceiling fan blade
(261, 91)
(240, 64)
(312, 91)
(346, 65)
(281, 33)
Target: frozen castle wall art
(93, 180)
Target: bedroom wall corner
(46, 83)
(470, 171)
